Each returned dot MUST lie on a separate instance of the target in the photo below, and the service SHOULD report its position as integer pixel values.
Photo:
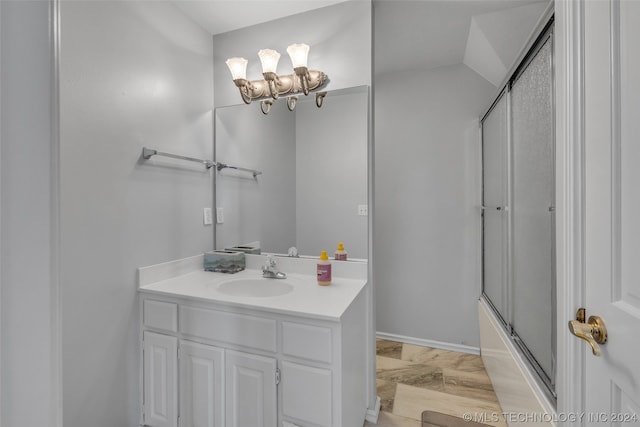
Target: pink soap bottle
(324, 269)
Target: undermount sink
(255, 287)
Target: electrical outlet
(219, 215)
(363, 210)
(208, 220)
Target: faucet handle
(269, 263)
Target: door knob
(593, 331)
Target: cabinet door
(250, 390)
(201, 385)
(306, 393)
(160, 373)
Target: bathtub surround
(517, 390)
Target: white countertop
(187, 279)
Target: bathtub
(522, 400)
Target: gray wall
(132, 74)
(331, 176)
(314, 175)
(264, 208)
(427, 182)
(28, 302)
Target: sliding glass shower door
(519, 211)
(494, 214)
(533, 208)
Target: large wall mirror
(312, 190)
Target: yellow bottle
(324, 269)
(341, 254)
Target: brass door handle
(593, 331)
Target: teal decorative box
(224, 261)
(253, 250)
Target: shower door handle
(492, 208)
(593, 331)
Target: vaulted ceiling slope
(424, 34)
(496, 38)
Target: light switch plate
(219, 215)
(363, 210)
(208, 220)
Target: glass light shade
(298, 53)
(238, 68)
(269, 59)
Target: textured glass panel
(532, 220)
(494, 160)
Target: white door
(201, 385)
(250, 383)
(612, 203)
(160, 373)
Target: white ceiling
(485, 35)
(220, 16)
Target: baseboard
(372, 413)
(429, 343)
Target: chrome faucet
(270, 269)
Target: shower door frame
(548, 382)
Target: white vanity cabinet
(216, 365)
(192, 383)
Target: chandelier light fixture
(273, 85)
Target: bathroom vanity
(240, 350)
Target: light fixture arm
(291, 102)
(265, 106)
(245, 88)
(273, 81)
(303, 77)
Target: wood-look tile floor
(412, 379)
